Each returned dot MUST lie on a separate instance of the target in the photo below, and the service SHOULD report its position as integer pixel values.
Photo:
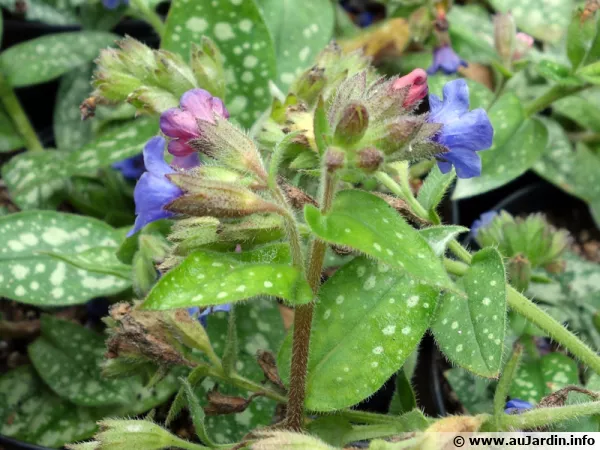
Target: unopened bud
(523, 44)
(335, 159)
(400, 133)
(519, 272)
(128, 434)
(186, 330)
(413, 86)
(353, 124)
(144, 274)
(286, 439)
(370, 159)
(310, 85)
(207, 65)
(505, 30)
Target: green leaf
(475, 394)
(28, 276)
(368, 320)
(439, 236)
(33, 178)
(197, 413)
(404, 399)
(434, 188)
(330, 429)
(377, 230)
(300, 31)
(51, 12)
(10, 139)
(97, 260)
(472, 33)
(580, 110)
(559, 73)
(48, 57)
(536, 379)
(590, 73)
(261, 329)
(205, 279)
(546, 20)
(518, 144)
(70, 132)
(31, 412)
(244, 40)
(471, 332)
(479, 95)
(579, 39)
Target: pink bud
(522, 46)
(417, 80)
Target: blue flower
(446, 60)
(516, 406)
(114, 4)
(211, 309)
(154, 190)
(131, 168)
(463, 132)
(484, 220)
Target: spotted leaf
(580, 110)
(470, 331)
(238, 29)
(52, 12)
(36, 179)
(29, 276)
(377, 230)
(259, 327)
(205, 279)
(70, 132)
(300, 31)
(97, 260)
(472, 33)
(438, 237)
(368, 320)
(518, 144)
(48, 57)
(534, 380)
(546, 20)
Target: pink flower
(523, 44)
(181, 124)
(417, 80)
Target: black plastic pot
(7, 443)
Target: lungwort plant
(267, 186)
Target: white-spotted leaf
(580, 109)
(439, 236)
(238, 29)
(546, 20)
(300, 30)
(536, 379)
(51, 12)
(29, 276)
(472, 33)
(97, 260)
(205, 279)
(48, 57)
(470, 331)
(35, 178)
(377, 230)
(368, 320)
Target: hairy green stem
(547, 416)
(525, 307)
(150, 16)
(187, 445)
(403, 191)
(421, 168)
(550, 96)
(303, 316)
(505, 383)
(19, 118)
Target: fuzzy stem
(403, 191)
(150, 16)
(550, 96)
(187, 445)
(18, 116)
(421, 168)
(525, 307)
(303, 318)
(504, 384)
(547, 416)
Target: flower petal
(456, 102)
(198, 103)
(186, 162)
(180, 148)
(154, 158)
(466, 162)
(473, 131)
(176, 123)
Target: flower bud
(505, 31)
(416, 82)
(353, 124)
(399, 133)
(310, 85)
(128, 434)
(370, 159)
(285, 439)
(519, 272)
(187, 331)
(172, 73)
(207, 65)
(335, 159)
(144, 273)
(523, 44)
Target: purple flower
(114, 4)
(463, 133)
(131, 168)
(516, 406)
(181, 124)
(202, 317)
(484, 220)
(154, 190)
(446, 60)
